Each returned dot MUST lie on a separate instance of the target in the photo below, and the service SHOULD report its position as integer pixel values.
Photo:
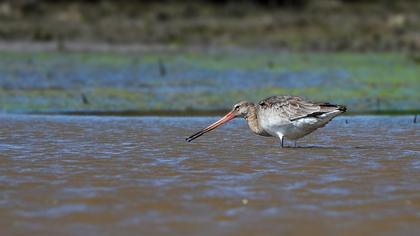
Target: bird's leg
(281, 137)
(295, 143)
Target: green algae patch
(203, 80)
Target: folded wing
(294, 108)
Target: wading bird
(280, 116)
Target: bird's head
(240, 109)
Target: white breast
(278, 126)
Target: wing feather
(294, 108)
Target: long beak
(229, 116)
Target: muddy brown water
(73, 175)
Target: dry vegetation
(317, 25)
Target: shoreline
(130, 48)
(194, 83)
(198, 113)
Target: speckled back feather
(292, 107)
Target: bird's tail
(331, 107)
(342, 108)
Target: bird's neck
(253, 124)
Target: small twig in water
(378, 104)
(85, 99)
(162, 69)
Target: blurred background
(200, 57)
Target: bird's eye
(236, 107)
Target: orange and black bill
(229, 116)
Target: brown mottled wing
(293, 107)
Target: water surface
(72, 175)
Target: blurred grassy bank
(196, 82)
(315, 25)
